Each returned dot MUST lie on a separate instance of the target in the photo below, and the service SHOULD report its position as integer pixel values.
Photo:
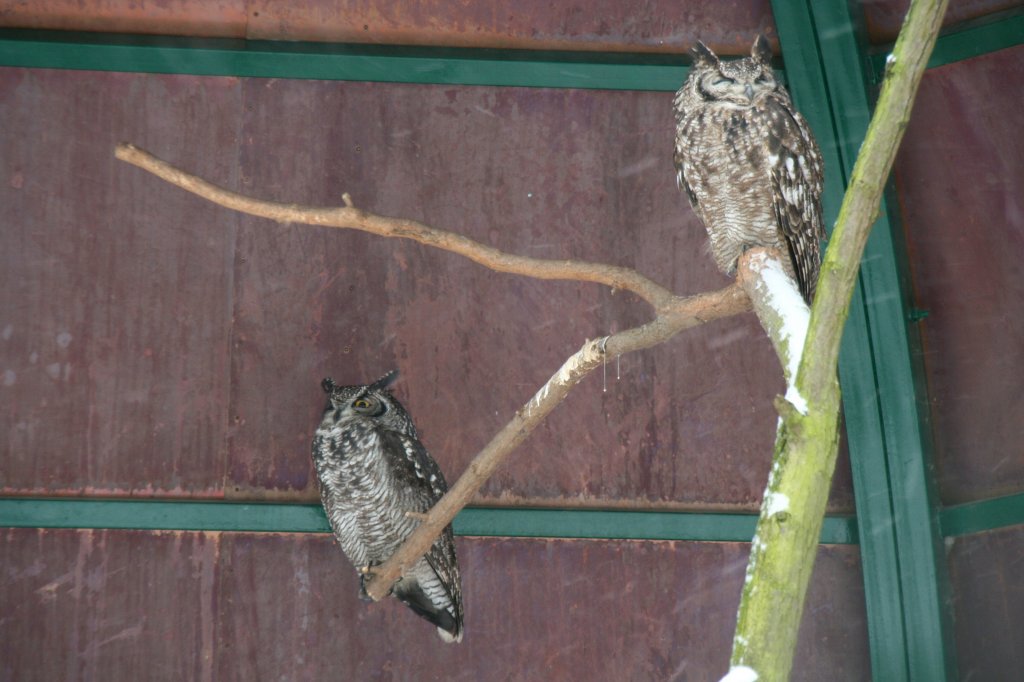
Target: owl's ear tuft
(701, 53)
(385, 381)
(328, 385)
(761, 50)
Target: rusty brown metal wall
(152, 344)
(116, 292)
(959, 176)
(636, 26)
(202, 606)
(883, 18)
(985, 571)
(161, 345)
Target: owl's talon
(419, 516)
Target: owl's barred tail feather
(413, 596)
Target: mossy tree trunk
(785, 544)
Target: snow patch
(741, 673)
(785, 298)
(776, 503)
(796, 400)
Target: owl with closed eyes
(749, 163)
(376, 481)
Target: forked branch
(672, 315)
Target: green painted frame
(971, 39)
(328, 61)
(905, 579)
(31, 512)
(898, 518)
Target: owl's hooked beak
(748, 90)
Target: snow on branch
(782, 311)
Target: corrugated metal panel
(656, 25)
(985, 572)
(223, 18)
(651, 25)
(131, 605)
(884, 17)
(549, 173)
(116, 292)
(959, 176)
(100, 605)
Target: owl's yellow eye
(361, 404)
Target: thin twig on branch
(673, 315)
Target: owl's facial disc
(737, 82)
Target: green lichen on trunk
(785, 544)
(771, 605)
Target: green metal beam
(899, 393)
(970, 39)
(329, 61)
(901, 547)
(977, 517)
(309, 518)
(33, 512)
(879, 557)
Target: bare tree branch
(689, 313)
(356, 219)
(673, 315)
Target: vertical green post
(901, 548)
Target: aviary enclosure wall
(156, 346)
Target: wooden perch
(350, 217)
(672, 315)
(698, 310)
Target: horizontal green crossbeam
(309, 518)
(635, 525)
(971, 40)
(26, 512)
(976, 517)
(329, 61)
